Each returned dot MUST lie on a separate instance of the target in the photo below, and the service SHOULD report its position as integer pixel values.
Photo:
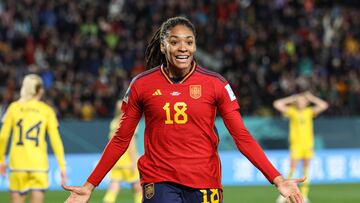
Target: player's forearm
(317, 101)
(281, 104)
(4, 138)
(108, 159)
(320, 105)
(58, 148)
(248, 145)
(256, 156)
(287, 100)
(2, 151)
(114, 149)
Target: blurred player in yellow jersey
(125, 170)
(30, 120)
(300, 112)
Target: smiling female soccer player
(179, 100)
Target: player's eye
(173, 42)
(190, 43)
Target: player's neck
(174, 72)
(301, 108)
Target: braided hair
(153, 55)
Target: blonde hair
(31, 87)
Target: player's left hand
(79, 194)
(289, 189)
(2, 169)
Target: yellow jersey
(125, 160)
(301, 127)
(29, 123)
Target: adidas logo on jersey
(157, 93)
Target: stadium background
(88, 51)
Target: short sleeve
(225, 98)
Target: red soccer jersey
(180, 141)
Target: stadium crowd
(88, 51)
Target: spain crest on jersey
(195, 91)
(149, 190)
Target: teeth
(182, 57)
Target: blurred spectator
(87, 111)
(88, 51)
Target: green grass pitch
(336, 193)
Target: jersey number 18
(180, 117)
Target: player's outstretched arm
(320, 105)
(288, 188)
(79, 194)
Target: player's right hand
(2, 169)
(79, 194)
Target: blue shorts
(167, 192)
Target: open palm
(288, 188)
(78, 194)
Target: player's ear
(162, 48)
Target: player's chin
(183, 65)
